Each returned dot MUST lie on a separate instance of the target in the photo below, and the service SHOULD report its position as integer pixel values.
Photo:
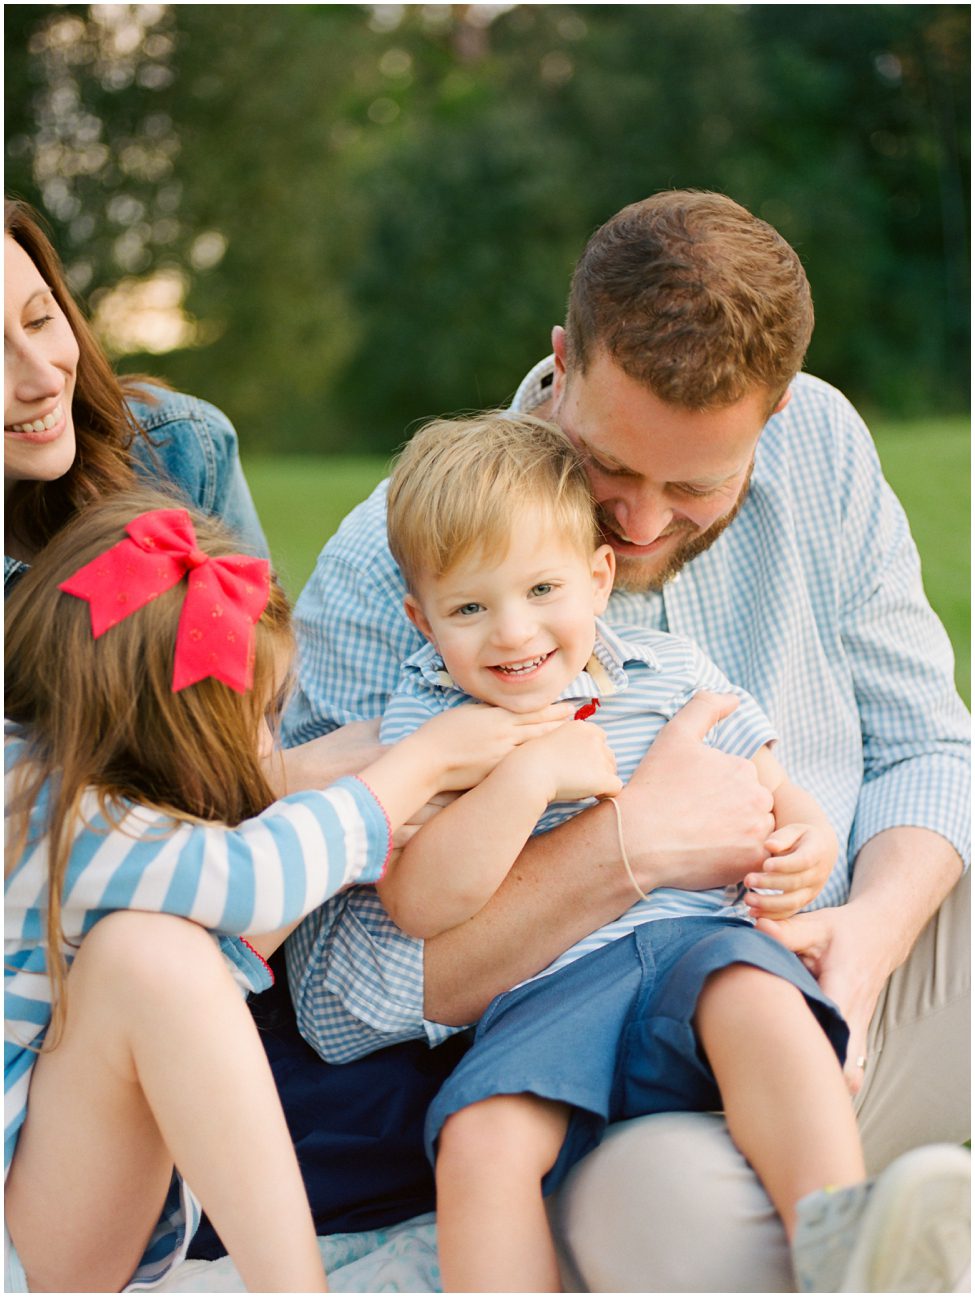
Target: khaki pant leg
(917, 1084)
(667, 1204)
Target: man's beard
(638, 575)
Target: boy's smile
(516, 631)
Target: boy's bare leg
(787, 1105)
(623, 1230)
(491, 1223)
(160, 1062)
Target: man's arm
(912, 821)
(570, 881)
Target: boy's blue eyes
(469, 609)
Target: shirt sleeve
(404, 715)
(915, 728)
(259, 876)
(747, 728)
(357, 981)
(195, 446)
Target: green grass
(302, 499)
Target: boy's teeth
(522, 666)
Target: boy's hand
(801, 857)
(575, 760)
(471, 739)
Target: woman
(73, 430)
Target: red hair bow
(224, 598)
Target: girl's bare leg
(787, 1105)
(492, 1226)
(160, 1063)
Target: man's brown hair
(694, 297)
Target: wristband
(626, 860)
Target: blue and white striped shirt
(811, 600)
(642, 679)
(255, 878)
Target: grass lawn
(302, 499)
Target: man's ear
(418, 617)
(558, 349)
(603, 574)
(782, 402)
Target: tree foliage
(352, 217)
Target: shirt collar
(603, 675)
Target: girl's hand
(575, 760)
(470, 740)
(801, 857)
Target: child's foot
(906, 1231)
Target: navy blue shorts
(612, 1036)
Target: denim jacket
(191, 449)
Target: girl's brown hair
(101, 714)
(104, 426)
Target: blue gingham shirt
(811, 600)
(254, 878)
(641, 679)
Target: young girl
(146, 664)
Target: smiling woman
(74, 431)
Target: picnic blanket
(400, 1259)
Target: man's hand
(318, 763)
(836, 949)
(695, 817)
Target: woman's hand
(801, 857)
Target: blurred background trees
(334, 220)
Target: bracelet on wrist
(626, 860)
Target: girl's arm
(455, 863)
(273, 869)
(803, 848)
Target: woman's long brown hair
(104, 427)
(101, 714)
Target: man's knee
(668, 1204)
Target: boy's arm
(453, 866)
(455, 863)
(802, 849)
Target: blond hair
(102, 715)
(693, 296)
(458, 486)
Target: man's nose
(642, 517)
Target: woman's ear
(418, 618)
(603, 575)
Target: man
(747, 511)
